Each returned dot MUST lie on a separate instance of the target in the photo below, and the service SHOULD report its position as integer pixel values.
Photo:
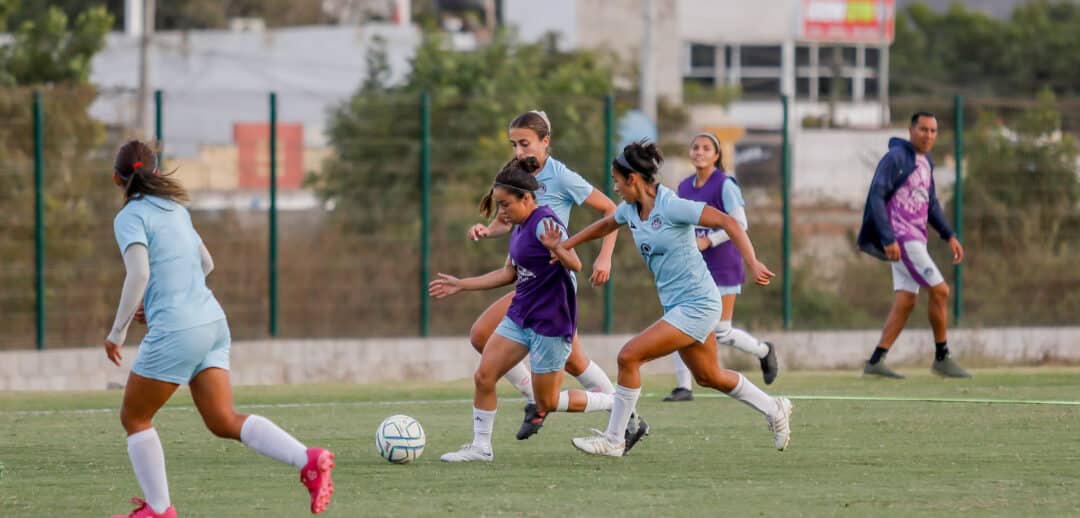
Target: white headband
(548, 122)
(710, 136)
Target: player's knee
(133, 423)
(905, 300)
(225, 425)
(484, 379)
(478, 337)
(940, 292)
(628, 360)
(576, 364)
(547, 402)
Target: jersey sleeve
(621, 213)
(543, 223)
(576, 186)
(732, 196)
(129, 229)
(684, 212)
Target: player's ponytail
(136, 165)
(642, 157)
(514, 177)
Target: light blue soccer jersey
(665, 239)
(561, 189)
(176, 296)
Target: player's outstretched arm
(602, 265)
(713, 218)
(596, 230)
(447, 285)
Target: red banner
(848, 21)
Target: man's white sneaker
(780, 423)
(468, 453)
(599, 444)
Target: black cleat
(636, 430)
(680, 394)
(533, 422)
(769, 368)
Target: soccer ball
(400, 439)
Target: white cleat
(780, 423)
(599, 444)
(468, 453)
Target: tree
(46, 50)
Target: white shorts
(915, 268)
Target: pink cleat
(316, 477)
(144, 511)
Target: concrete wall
(738, 21)
(367, 361)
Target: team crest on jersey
(646, 249)
(633, 226)
(540, 191)
(656, 223)
(928, 272)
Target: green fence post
(609, 189)
(39, 219)
(158, 133)
(958, 205)
(425, 210)
(273, 217)
(785, 193)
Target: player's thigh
(486, 323)
(659, 339)
(701, 359)
(500, 354)
(143, 397)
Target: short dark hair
(516, 177)
(915, 117)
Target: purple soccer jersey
(909, 207)
(545, 301)
(724, 262)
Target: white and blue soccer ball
(400, 439)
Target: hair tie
(136, 165)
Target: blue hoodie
(891, 173)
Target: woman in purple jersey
(560, 189)
(542, 317)
(713, 186)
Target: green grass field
(64, 454)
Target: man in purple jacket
(899, 206)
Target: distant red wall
(253, 155)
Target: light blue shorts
(730, 290)
(177, 356)
(546, 353)
(696, 318)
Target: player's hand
(444, 286)
(552, 235)
(112, 351)
(477, 232)
(761, 274)
(703, 243)
(601, 271)
(140, 315)
(892, 251)
(957, 250)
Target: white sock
(594, 379)
(265, 437)
(623, 405)
(148, 461)
(483, 422)
(739, 339)
(593, 401)
(598, 401)
(683, 377)
(564, 401)
(521, 379)
(748, 393)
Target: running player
(542, 316)
(560, 189)
(713, 186)
(188, 339)
(663, 228)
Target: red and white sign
(848, 21)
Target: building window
(825, 85)
(802, 87)
(873, 57)
(702, 56)
(802, 56)
(760, 86)
(759, 56)
(870, 88)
